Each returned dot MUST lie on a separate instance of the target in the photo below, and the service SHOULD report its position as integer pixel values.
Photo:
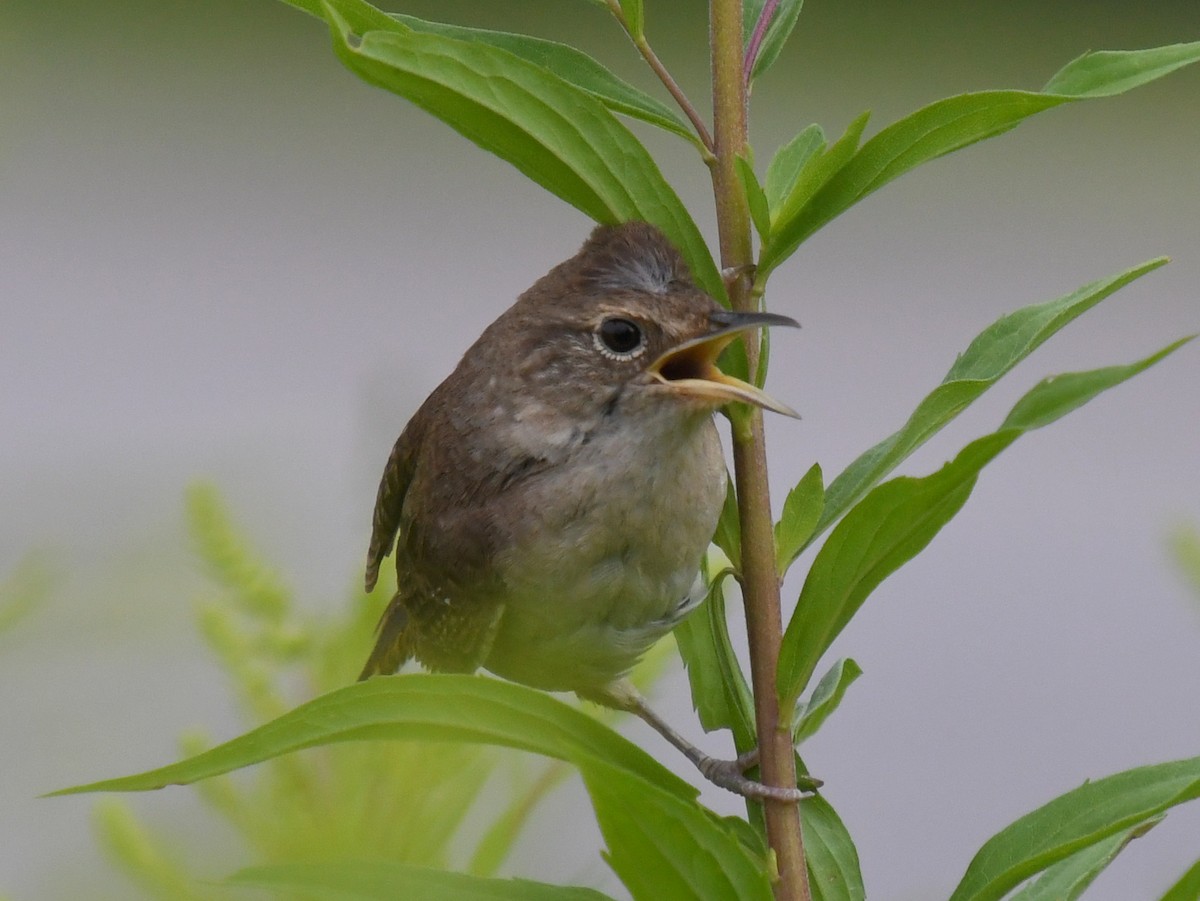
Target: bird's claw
(730, 775)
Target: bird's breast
(608, 551)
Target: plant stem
(676, 91)
(760, 581)
(672, 86)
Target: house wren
(555, 494)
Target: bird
(550, 502)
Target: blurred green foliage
(1185, 548)
(24, 589)
(372, 801)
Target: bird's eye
(619, 337)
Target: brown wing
(392, 647)
(389, 500)
(447, 605)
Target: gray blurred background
(222, 256)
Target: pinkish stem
(756, 38)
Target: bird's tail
(392, 645)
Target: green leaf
(801, 513)
(417, 706)
(826, 697)
(559, 136)
(720, 695)
(931, 132)
(378, 880)
(752, 839)
(956, 122)
(571, 65)
(816, 172)
(635, 18)
(728, 536)
(1073, 821)
(358, 14)
(833, 869)
(789, 161)
(1104, 73)
(1070, 877)
(1188, 886)
(995, 351)
(897, 519)
(666, 847)
(755, 198)
(733, 361)
(751, 11)
(778, 31)
(887, 528)
(1056, 396)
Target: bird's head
(624, 316)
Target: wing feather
(389, 500)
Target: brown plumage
(550, 501)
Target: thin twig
(756, 39)
(672, 86)
(677, 92)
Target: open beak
(691, 368)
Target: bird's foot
(728, 774)
(731, 776)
